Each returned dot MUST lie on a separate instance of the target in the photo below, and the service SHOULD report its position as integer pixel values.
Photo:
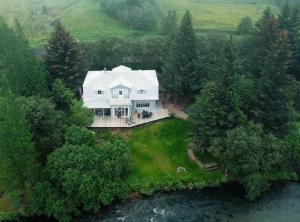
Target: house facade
(121, 91)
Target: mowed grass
(84, 18)
(89, 22)
(217, 15)
(159, 149)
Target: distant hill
(88, 21)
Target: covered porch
(126, 122)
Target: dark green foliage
(251, 156)
(137, 14)
(46, 124)
(205, 114)
(273, 101)
(181, 74)
(82, 177)
(79, 136)
(79, 115)
(18, 166)
(289, 20)
(62, 95)
(293, 139)
(23, 72)
(218, 108)
(135, 53)
(264, 37)
(65, 58)
(246, 26)
(169, 24)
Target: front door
(121, 112)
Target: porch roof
(120, 102)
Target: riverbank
(225, 203)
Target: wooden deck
(114, 122)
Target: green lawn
(159, 149)
(89, 22)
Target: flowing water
(211, 205)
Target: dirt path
(176, 110)
(194, 158)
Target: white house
(121, 92)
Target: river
(281, 204)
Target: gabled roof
(121, 75)
(120, 81)
(121, 69)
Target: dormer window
(141, 91)
(100, 92)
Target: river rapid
(281, 204)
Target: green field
(88, 22)
(159, 149)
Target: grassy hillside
(159, 149)
(89, 22)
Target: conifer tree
(65, 59)
(181, 72)
(22, 71)
(273, 100)
(264, 37)
(218, 108)
(289, 20)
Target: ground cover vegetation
(91, 20)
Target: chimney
(104, 69)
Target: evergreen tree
(273, 100)
(289, 20)
(218, 108)
(181, 72)
(18, 165)
(65, 59)
(264, 37)
(22, 71)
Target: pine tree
(264, 37)
(22, 71)
(218, 108)
(181, 72)
(289, 20)
(273, 101)
(65, 59)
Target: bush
(9, 216)
(82, 178)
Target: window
(100, 92)
(141, 91)
(142, 104)
(120, 92)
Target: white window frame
(100, 92)
(142, 104)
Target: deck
(114, 122)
